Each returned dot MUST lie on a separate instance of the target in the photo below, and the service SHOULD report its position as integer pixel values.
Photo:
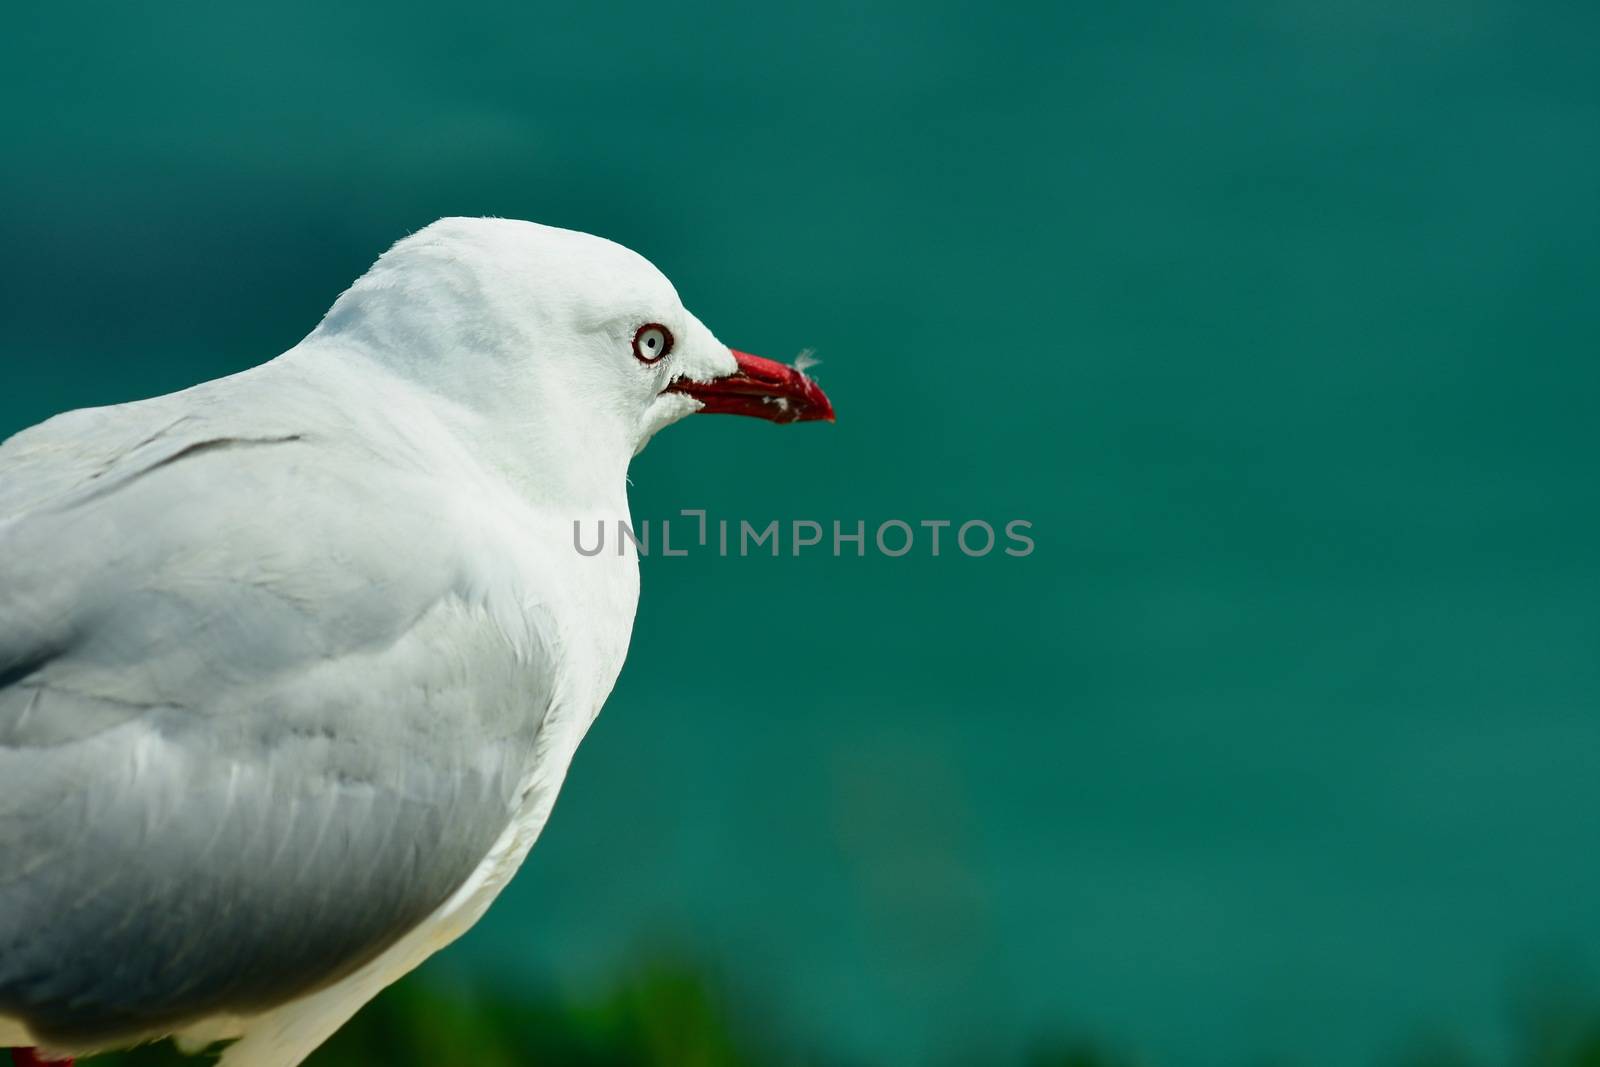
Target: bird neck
(557, 453)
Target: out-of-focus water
(1278, 320)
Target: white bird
(293, 663)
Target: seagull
(293, 662)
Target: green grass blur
(669, 1011)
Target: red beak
(764, 388)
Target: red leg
(30, 1057)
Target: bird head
(560, 335)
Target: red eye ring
(651, 342)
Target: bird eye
(651, 342)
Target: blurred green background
(1278, 319)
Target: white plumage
(293, 663)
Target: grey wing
(251, 728)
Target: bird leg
(31, 1057)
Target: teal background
(1279, 321)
